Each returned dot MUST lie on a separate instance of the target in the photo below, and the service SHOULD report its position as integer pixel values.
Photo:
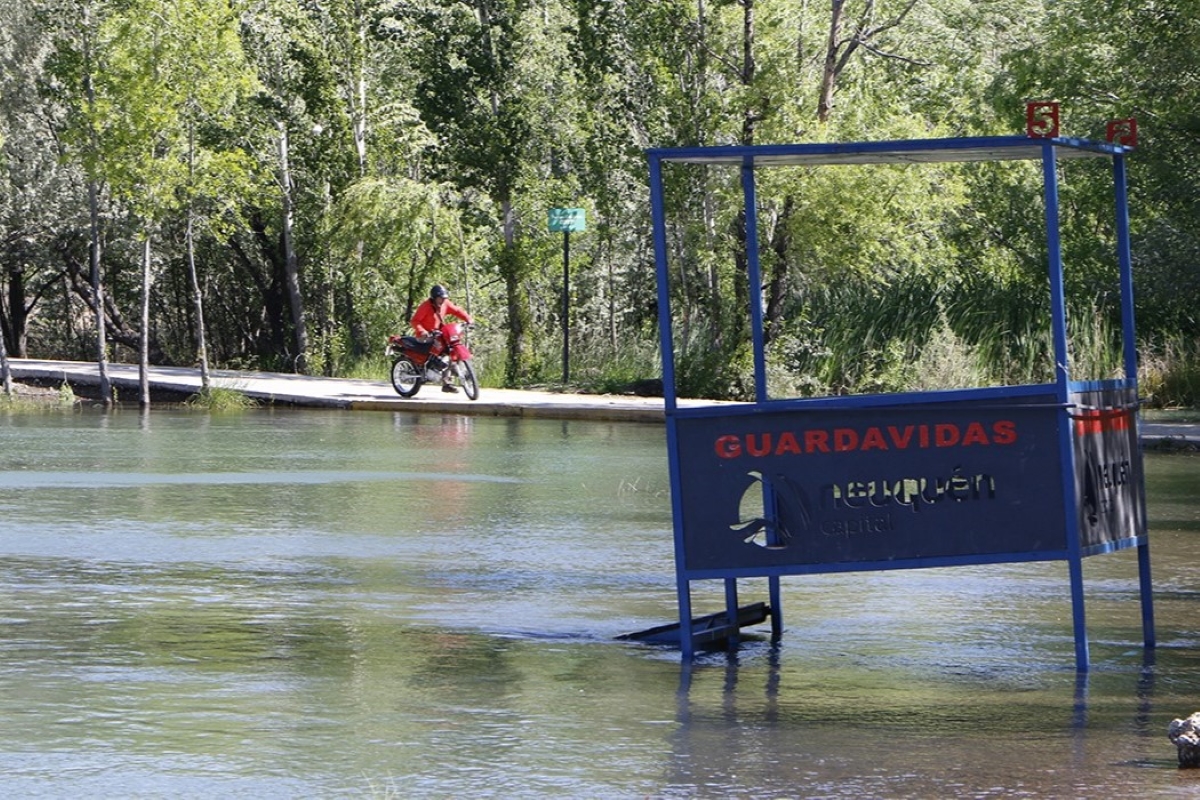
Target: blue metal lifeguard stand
(929, 479)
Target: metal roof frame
(908, 151)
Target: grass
(1170, 374)
(220, 398)
(27, 398)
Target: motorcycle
(433, 360)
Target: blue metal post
(1147, 594)
(731, 611)
(771, 512)
(666, 340)
(1062, 380)
(754, 276)
(1125, 260)
(682, 583)
(1058, 304)
(776, 601)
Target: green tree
(210, 70)
(41, 213)
(1119, 60)
(76, 66)
(470, 100)
(289, 126)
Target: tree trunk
(838, 52)
(750, 114)
(94, 218)
(829, 73)
(5, 374)
(197, 295)
(512, 268)
(291, 261)
(777, 285)
(98, 296)
(360, 113)
(197, 304)
(738, 325)
(17, 326)
(144, 338)
(466, 266)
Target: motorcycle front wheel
(466, 376)
(406, 377)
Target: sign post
(567, 220)
(974, 475)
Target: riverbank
(177, 384)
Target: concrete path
(318, 392)
(300, 390)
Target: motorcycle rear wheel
(406, 377)
(466, 376)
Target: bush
(1169, 375)
(220, 398)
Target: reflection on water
(298, 604)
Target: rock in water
(1185, 733)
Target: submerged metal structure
(892, 481)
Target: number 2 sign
(1041, 120)
(1123, 132)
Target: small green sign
(567, 220)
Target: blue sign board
(828, 487)
(784, 486)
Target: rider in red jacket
(430, 317)
(431, 314)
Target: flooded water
(327, 604)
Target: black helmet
(438, 291)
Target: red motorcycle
(442, 358)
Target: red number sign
(1041, 120)
(1122, 132)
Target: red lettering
(1004, 431)
(845, 439)
(787, 444)
(842, 440)
(873, 440)
(945, 434)
(816, 441)
(899, 439)
(756, 447)
(728, 446)
(975, 435)
(1100, 421)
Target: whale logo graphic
(771, 510)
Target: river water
(330, 604)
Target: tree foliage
(307, 170)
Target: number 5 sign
(1041, 120)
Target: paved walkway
(319, 392)
(302, 390)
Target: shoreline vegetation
(36, 395)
